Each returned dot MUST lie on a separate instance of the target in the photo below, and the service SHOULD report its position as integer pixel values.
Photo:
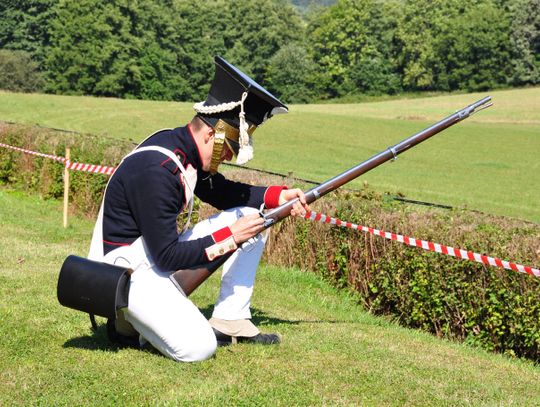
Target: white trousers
(164, 316)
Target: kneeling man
(137, 225)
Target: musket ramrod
(189, 279)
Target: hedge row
(457, 299)
(452, 298)
(45, 176)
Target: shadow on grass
(98, 339)
(259, 317)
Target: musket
(189, 279)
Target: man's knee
(199, 348)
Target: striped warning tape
(434, 247)
(23, 150)
(96, 169)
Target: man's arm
(222, 193)
(155, 198)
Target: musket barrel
(390, 153)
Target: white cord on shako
(246, 147)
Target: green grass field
(488, 163)
(333, 353)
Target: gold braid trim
(222, 131)
(219, 139)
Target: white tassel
(244, 155)
(246, 148)
(245, 152)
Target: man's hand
(299, 208)
(246, 227)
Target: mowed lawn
(332, 353)
(489, 162)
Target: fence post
(66, 187)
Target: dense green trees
(145, 49)
(18, 72)
(421, 27)
(525, 41)
(257, 30)
(291, 74)
(352, 45)
(160, 49)
(385, 46)
(163, 49)
(24, 25)
(477, 49)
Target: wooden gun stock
(189, 279)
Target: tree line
(163, 49)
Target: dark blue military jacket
(145, 196)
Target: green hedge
(452, 298)
(45, 176)
(457, 299)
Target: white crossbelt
(96, 246)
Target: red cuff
(224, 243)
(271, 196)
(221, 234)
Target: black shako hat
(238, 104)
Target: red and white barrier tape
(23, 150)
(434, 247)
(96, 169)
